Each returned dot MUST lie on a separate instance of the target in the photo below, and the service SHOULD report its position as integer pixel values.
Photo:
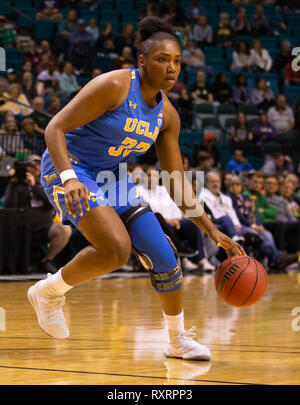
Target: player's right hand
(74, 191)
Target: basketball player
(118, 115)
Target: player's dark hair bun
(152, 28)
(150, 25)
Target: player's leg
(158, 255)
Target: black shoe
(46, 266)
(285, 260)
(186, 251)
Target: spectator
(33, 140)
(49, 10)
(224, 34)
(278, 164)
(241, 24)
(96, 72)
(291, 76)
(283, 57)
(251, 223)
(263, 131)
(68, 81)
(241, 93)
(24, 191)
(184, 106)
(81, 50)
(125, 57)
(240, 134)
(149, 7)
(93, 29)
(221, 90)
(207, 145)
(106, 41)
(27, 67)
(43, 64)
(55, 106)
(11, 142)
(288, 193)
(127, 38)
(260, 24)
(39, 115)
(48, 81)
(45, 49)
(294, 179)
(193, 11)
(32, 55)
(238, 163)
(263, 96)
(281, 116)
(203, 32)
(16, 102)
(11, 76)
(28, 86)
(7, 35)
(261, 60)
(204, 161)
(3, 92)
(65, 29)
(219, 207)
(285, 227)
(241, 58)
(200, 91)
(192, 56)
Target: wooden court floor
(117, 336)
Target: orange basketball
(241, 281)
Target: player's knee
(118, 251)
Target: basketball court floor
(117, 336)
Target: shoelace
(183, 342)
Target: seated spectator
(11, 76)
(16, 101)
(3, 91)
(221, 90)
(125, 57)
(81, 49)
(278, 165)
(288, 193)
(241, 24)
(93, 29)
(281, 116)
(208, 145)
(200, 91)
(11, 142)
(240, 134)
(251, 223)
(238, 163)
(33, 140)
(32, 55)
(185, 106)
(43, 64)
(192, 56)
(65, 28)
(28, 86)
(263, 131)
(45, 49)
(204, 161)
(283, 57)
(173, 222)
(96, 72)
(285, 227)
(193, 11)
(260, 24)
(55, 106)
(261, 60)
(27, 67)
(224, 34)
(48, 81)
(263, 96)
(291, 76)
(241, 58)
(24, 191)
(49, 10)
(106, 41)
(7, 35)
(203, 32)
(294, 179)
(39, 115)
(68, 81)
(219, 207)
(127, 38)
(240, 92)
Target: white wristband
(67, 175)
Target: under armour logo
(131, 104)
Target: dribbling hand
(221, 240)
(74, 191)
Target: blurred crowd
(236, 96)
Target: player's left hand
(221, 240)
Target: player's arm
(169, 156)
(105, 92)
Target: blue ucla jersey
(118, 135)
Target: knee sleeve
(154, 249)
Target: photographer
(24, 191)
